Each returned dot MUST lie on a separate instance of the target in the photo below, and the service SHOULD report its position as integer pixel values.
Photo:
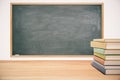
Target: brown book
(106, 62)
(105, 45)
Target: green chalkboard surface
(55, 29)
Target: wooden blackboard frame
(54, 3)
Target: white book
(108, 40)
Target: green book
(99, 50)
(100, 55)
(107, 51)
(108, 56)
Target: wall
(112, 18)
(111, 21)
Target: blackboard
(55, 29)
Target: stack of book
(106, 55)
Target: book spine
(98, 67)
(99, 55)
(99, 50)
(98, 44)
(101, 61)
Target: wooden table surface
(51, 70)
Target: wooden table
(51, 70)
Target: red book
(106, 62)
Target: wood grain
(51, 70)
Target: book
(107, 40)
(106, 62)
(107, 51)
(108, 56)
(106, 69)
(105, 45)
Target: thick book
(106, 69)
(107, 40)
(107, 51)
(108, 56)
(105, 45)
(106, 62)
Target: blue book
(106, 69)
